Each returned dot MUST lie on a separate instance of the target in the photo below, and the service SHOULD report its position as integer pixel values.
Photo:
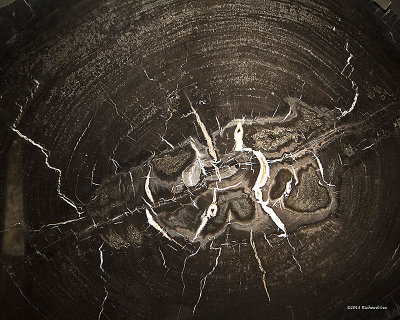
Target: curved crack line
(253, 245)
(57, 170)
(203, 281)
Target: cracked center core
(259, 175)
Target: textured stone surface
(205, 160)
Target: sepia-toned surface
(202, 159)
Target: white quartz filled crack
(266, 239)
(147, 187)
(78, 141)
(101, 259)
(156, 226)
(253, 245)
(287, 115)
(340, 160)
(288, 188)
(368, 147)
(204, 220)
(302, 90)
(354, 85)
(18, 224)
(219, 126)
(348, 64)
(30, 8)
(133, 187)
(116, 165)
(147, 75)
(92, 183)
(60, 223)
(102, 304)
(182, 276)
(163, 258)
(203, 128)
(211, 149)
(203, 281)
(298, 264)
(198, 156)
(103, 272)
(57, 170)
(217, 173)
(262, 179)
(296, 179)
(286, 193)
(12, 275)
(120, 114)
(321, 171)
(227, 188)
(395, 251)
(168, 143)
(238, 135)
(211, 212)
(276, 110)
(274, 218)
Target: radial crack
(59, 173)
(103, 272)
(238, 135)
(156, 226)
(353, 84)
(210, 213)
(205, 133)
(147, 187)
(253, 245)
(321, 170)
(203, 281)
(182, 278)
